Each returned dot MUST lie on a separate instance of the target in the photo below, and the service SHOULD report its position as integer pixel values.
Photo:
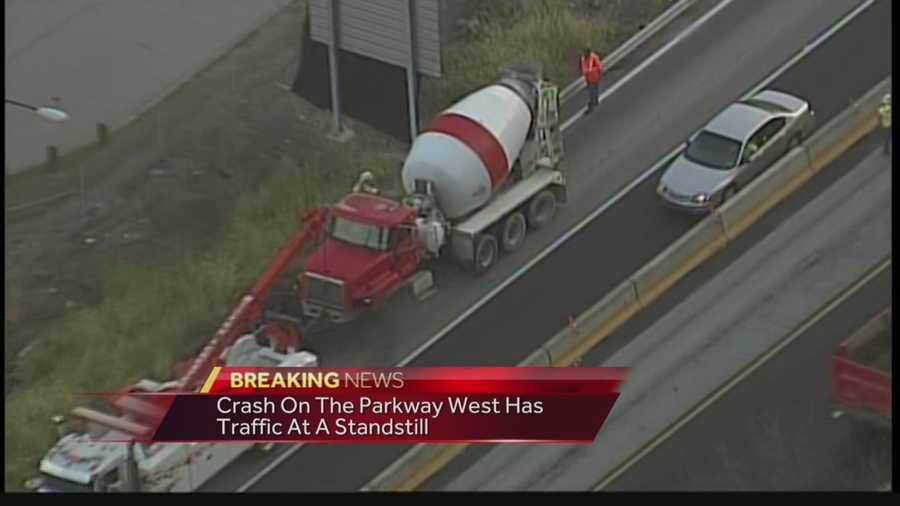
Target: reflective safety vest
(549, 96)
(884, 111)
(591, 68)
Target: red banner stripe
(478, 139)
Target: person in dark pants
(592, 71)
(884, 115)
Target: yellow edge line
(743, 374)
(443, 457)
(434, 465)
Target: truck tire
(541, 209)
(512, 232)
(486, 253)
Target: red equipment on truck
(79, 463)
(861, 370)
(250, 315)
(480, 174)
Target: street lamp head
(52, 113)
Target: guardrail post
(52, 156)
(102, 134)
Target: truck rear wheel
(541, 209)
(512, 234)
(486, 252)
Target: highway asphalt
(693, 281)
(671, 98)
(774, 430)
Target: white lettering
(396, 407)
(460, 405)
(299, 428)
(293, 406)
(227, 406)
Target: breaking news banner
(403, 405)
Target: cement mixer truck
(477, 178)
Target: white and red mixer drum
(468, 150)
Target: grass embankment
(500, 33)
(153, 314)
(157, 125)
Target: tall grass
(513, 32)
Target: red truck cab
(861, 370)
(369, 251)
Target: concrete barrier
(667, 268)
(416, 465)
(681, 257)
(626, 48)
(406, 469)
(795, 168)
(539, 358)
(846, 128)
(765, 192)
(593, 326)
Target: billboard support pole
(411, 70)
(333, 67)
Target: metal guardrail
(613, 58)
(629, 45)
(648, 283)
(40, 202)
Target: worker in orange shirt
(592, 71)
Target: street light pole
(47, 112)
(20, 104)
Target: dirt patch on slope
(175, 194)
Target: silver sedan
(735, 147)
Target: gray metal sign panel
(377, 29)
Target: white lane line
(659, 53)
(584, 222)
(484, 300)
(549, 249)
(810, 47)
(749, 369)
(636, 40)
(818, 41)
(493, 293)
(783, 68)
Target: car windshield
(713, 150)
(359, 234)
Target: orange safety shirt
(591, 68)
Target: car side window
(753, 145)
(770, 130)
(761, 138)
